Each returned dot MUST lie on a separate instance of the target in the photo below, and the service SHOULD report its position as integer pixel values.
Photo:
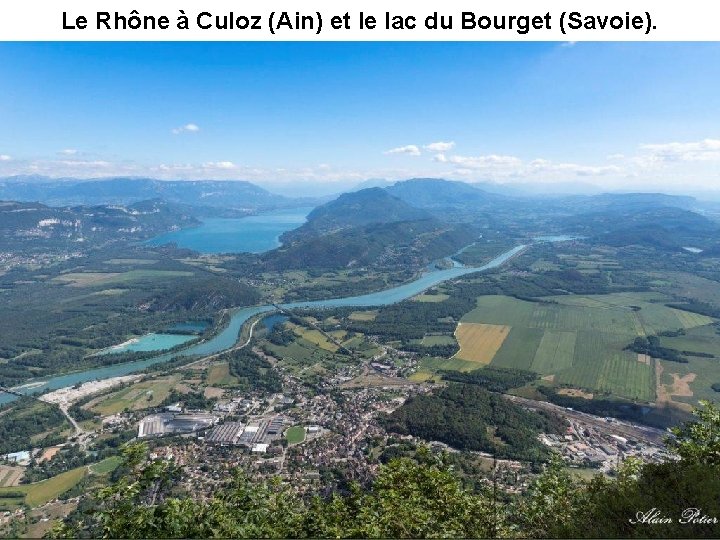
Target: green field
(555, 352)
(430, 297)
(295, 435)
(430, 340)
(428, 366)
(106, 466)
(688, 285)
(316, 337)
(580, 340)
(134, 397)
(41, 492)
(219, 375)
(123, 262)
(519, 348)
(91, 279)
(305, 359)
(363, 315)
(707, 370)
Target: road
(79, 431)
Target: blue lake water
(271, 320)
(252, 234)
(227, 337)
(149, 342)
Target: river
(228, 336)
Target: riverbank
(68, 396)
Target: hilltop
(367, 227)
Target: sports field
(295, 435)
(580, 340)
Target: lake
(251, 234)
(149, 342)
(272, 320)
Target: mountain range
(238, 195)
(417, 219)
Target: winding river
(227, 337)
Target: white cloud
(222, 165)
(672, 164)
(567, 44)
(491, 165)
(482, 162)
(440, 146)
(506, 167)
(84, 163)
(543, 165)
(705, 150)
(410, 150)
(187, 128)
(175, 167)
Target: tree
(553, 498)
(409, 499)
(699, 441)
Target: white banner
(366, 20)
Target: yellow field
(363, 315)
(10, 476)
(430, 297)
(316, 337)
(479, 342)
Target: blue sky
(616, 115)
